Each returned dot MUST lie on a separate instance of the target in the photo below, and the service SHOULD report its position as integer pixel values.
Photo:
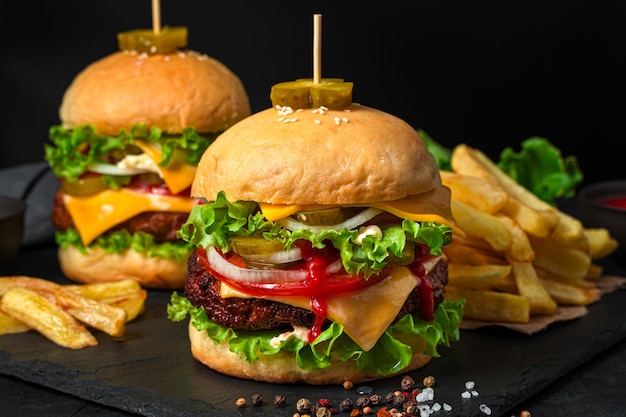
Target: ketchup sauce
(617, 201)
(319, 285)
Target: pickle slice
(84, 186)
(168, 40)
(407, 258)
(304, 93)
(327, 217)
(255, 245)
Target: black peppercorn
(256, 399)
(346, 404)
(362, 401)
(407, 383)
(279, 400)
(375, 399)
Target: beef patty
(203, 290)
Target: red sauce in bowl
(619, 202)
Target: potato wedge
(47, 318)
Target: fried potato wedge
(39, 313)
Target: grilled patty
(203, 290)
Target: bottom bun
(99, 266)
(281, 368)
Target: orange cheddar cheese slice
(95, 214)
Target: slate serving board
(151, 372)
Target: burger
(318, 259)
(134, 125)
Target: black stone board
(150, 370)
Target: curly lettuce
(390, 354)
(213, 224)
(121, 240)
(71, 151)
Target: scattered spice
(348, 384)
(367, 410)
(279, 400)
(303, 405)
(407, 383)
(429, 381)
(256, 400)
(322, 412)
(375, 399)
(346, 404)
(524, 414)
(362, 401)
(241, 402)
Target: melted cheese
(432, 206)
(95, 214)
(364, 315)
(178, 175)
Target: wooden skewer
(156, 16)
(317, 48)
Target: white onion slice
(280, 257)
(111, 169)
(368, 214)
(223, 267)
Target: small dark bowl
(12, 212)
(597, 213)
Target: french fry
(564, 279)
(101, 316)
(566, 294)
(600, 241)
(475, 192)
(37, 312)
(520, 249)
(523, 206)
(490, 305)
(559, 259)
(102, 290)
(477, 223)
(133, 303)
(105, 306)
(471, 255)
(476, 276)
(10, 325)
(529, 286)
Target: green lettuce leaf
(389, 355)
(213, 224)
(71, 151)
(120, 240)
(540, 168)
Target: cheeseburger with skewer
(319, 237)
(134, 126)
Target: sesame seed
(317, 121)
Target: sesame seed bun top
(311, 156)
(169, 91)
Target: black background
(486, 73)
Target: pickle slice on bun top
(134, 125)
(319, 237)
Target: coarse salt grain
(466, 394)
(474, 393)
(447, 407)
(469, 385)
(436, 407)
(486, 410)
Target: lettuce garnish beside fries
(538, 166)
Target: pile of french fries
(65, 313)
(521, 256)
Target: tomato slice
(318, 283)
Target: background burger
(134, 125)
(318, 249)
